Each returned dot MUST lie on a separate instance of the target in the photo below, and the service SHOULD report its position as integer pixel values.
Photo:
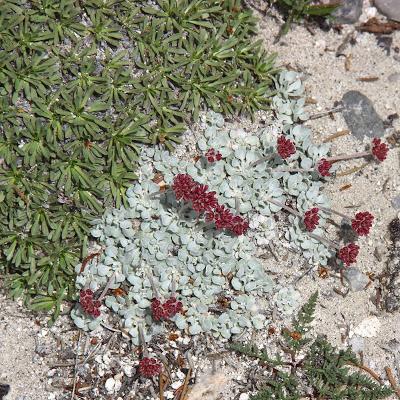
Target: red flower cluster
(90, 306)
(221, 216)
(286, 148)
(187, 189)
(348, 254)
(213, 156)
(362, 223)
(311, 219)
(323, 167)
(203, 201)
(149, 367)
(164, 311)
(182, 186)
(379, 149)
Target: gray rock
(357, 343)
(396, 202)
(360, 116)
(395, 77)
(355, 279)
(349, 12)
(389, 8)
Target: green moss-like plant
(82, 85)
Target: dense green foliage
(321, 372)
(297, 10)
(82, 85)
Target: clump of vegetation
(295, 11)
(82, 85)
(313, 368)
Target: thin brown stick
(163, 382)
(326, 113)
(369, 370)
(352, 170)
(185, 385)
(336, 135)
(392, 381)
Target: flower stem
(142, 341)
(294, 169)
(330, 211)
(152, 284)
(324, 240)
(284, 206)
(161, 192)
(349, 156)
(108, 285)
(262, 159)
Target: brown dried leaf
(373, 25)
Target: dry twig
(392, 381)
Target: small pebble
(368, 327)
(109, 385)
(244, 396)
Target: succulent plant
(157, 243)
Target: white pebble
(244, 396)
(110, 384)
(176, 384)
(368, 327)
(169, 394)
(180, 375)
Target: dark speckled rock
(360, 116)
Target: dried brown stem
(369, 370)
(392, 381)
(336, 135)
(184, 392)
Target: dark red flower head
(182, 186)
(311, 219)
(90, 306)
(167, 310)
(362, 223)
(239, 225)
(285, 147)
(202, 200)
(348, 254)
(379, 149)
(149, 367)
(213, 155)
(323, 167)
(221, 216)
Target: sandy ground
(25, 351)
